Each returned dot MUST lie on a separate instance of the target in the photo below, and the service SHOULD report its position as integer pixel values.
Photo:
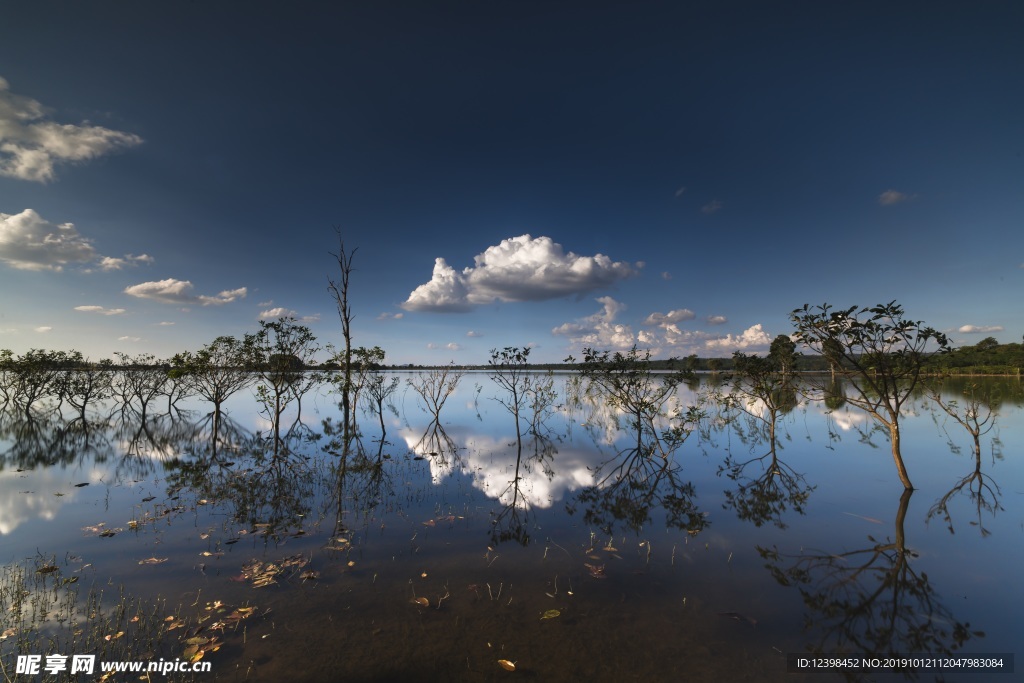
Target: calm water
(712, 568)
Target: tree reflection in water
(870, 601)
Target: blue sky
(676, 175)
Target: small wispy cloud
(44, 328)
(100, 309)
(452, 346)
(275, 313)
(390, 316)
(712, 206)
(109, 263)
(666, 275)
(979, 329)
(165, 323)
(127, 338)
(172, 291)
(680, 191)
(890, 197)
(675, 316)
(716, 320)
(474, 333)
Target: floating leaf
(84, 483)
(309, 574)
(551, 614)
(47, 569)
(7, 634)
(738, 617)
(153, 560)
(148, 498)
(422, 602)
(108, 533)
(506, 665)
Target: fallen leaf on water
(610, 549)
(84, 483)
(7, 634)
(422, 602)
(506, 665)
(48, 569)
(309, 574)
(551, 614)
(153, 560)
(148, 498)
(596, 571)
(738, 617)
(108, 533)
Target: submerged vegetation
(616, 441)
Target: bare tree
(339, 290)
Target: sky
(675, 175)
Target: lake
(450, 550)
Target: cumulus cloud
(600, 330)
(452, 346)
(275, 313)
(171, 291)
(890, 197)
(979, 329)
(31, 145)
(751, 339)
(519, 269)
(712, 206)
(100, 310)
(28, 242)
(716, 320)
(675, 316)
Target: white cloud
(452, 346)
(390, 316)
(275, 313)
(266, 304)
(890, 197)
(519, 269)
(979, 329)
(474, 333)
(164, 324)
(100, 310)
(600, 330)
(666, 275)
(44, 328)
(752, 339)
(171, 291)
(28, 242)
(31, 145)
(680, 191)
(675, 316)
(111, 263)
(712, 206)
(315, 318)
(129, 339)
(716, 320)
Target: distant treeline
(987, 357)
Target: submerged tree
(879, 352)
(283, 350)
(763, 390)
(339, 290)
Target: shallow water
(680, 573)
